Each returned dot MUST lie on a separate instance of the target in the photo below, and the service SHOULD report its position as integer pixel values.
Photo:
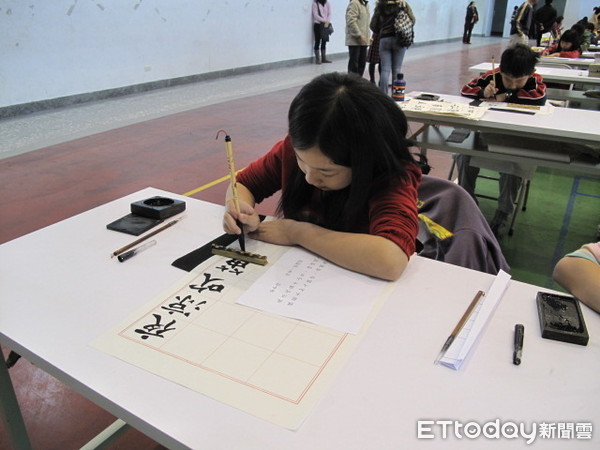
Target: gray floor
(34, 131)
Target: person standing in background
(321, 13)
(523, 27)
(596, 17)
(544, 18)
(557, 28)
(390, 53)
(514, 14)
(373, 57)
(471, 19)
(357, 35)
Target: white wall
(56, 48)
(575, 10)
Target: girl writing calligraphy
(348, 180)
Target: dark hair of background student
(356, 125)
(572, 36)
(578, 28)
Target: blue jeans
(391, 61)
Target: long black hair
(356, 125)
(574, 37)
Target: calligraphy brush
(236, 201)
(459, 326)
(143, 238)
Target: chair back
(453, 229)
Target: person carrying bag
(404, 25)
(393, 22)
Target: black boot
(317, 57)
(324, 58)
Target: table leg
(418, 132)
(10, 411)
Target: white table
(572, 126)
(388, 384)
(575, 63)
(551, 74)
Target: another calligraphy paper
(304, 286)
(444, 108)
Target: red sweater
(391, 214)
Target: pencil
(143, 238)
(459, 326)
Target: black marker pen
(518, 351)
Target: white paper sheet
(444, 108)
(303, 286)
(462, 345)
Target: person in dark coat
(544, 19)
(471, 19)
(522, 28)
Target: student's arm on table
(364, 253)
(581, 278)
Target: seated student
(514, 81)
(579, 273)
(348, 181)
(588, 36)
(569, 46)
